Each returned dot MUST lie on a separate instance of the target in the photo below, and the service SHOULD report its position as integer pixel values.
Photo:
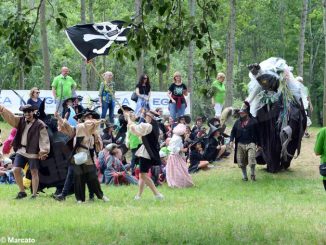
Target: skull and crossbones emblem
(108, 31)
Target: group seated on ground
(198, 151)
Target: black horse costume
(275, 101)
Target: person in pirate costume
(197, 157)
(246, 136)
(86, 139)
(148, 153)
(31, 145)
(215, 146)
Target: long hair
(141, 79)
(31, 92)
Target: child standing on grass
(320, 149)
(176, 169)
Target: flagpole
(109, 87)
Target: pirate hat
(245, 108)
(187, 118)
(64, 103)
(28, 107)
(214, 121)
(109, 125)
(125, 108)
(93, 113)
(195, 142)
(213, 129)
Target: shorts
(246, 154)
(21, 161)
(144, 164)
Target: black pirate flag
(92, 40)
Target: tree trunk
(140, 61)
(230, 54)
(83, 70)
(21, 65)
(192, 4)
(324, 98)
(45, 47)
(304, 14)
(92, 73)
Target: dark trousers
(324, 181)
(69, 180)
(134, 159)
(86, 174)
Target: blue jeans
(108, 106)
(174, 112)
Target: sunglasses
(36, 92)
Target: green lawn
(221, 209)
(284, 208)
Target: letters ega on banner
(11, 101)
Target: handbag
(80, 158)
(134, 97)
(322, 169)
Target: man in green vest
(63, 87)
(219, 95)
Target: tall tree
(83, 70)
(140, 60)
(45, 46)
(324, 97)
(230, 53)
(192, 5)
(304, 14)
(21, 65)
(92, 73)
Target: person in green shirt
(63, 87)
(320, 149)
(219, 95)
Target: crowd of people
(140, 146)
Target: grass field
(284, 208)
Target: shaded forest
(196, 37)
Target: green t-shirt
(219, 95)
(320, 146)
(67, 86)
(133, 140)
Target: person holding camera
(31, 145)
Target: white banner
(12, 102)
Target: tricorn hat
(245, 108)
(94, 114)
(28, 107)
(125, 108)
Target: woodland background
(197, 37)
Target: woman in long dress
(176, 169)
